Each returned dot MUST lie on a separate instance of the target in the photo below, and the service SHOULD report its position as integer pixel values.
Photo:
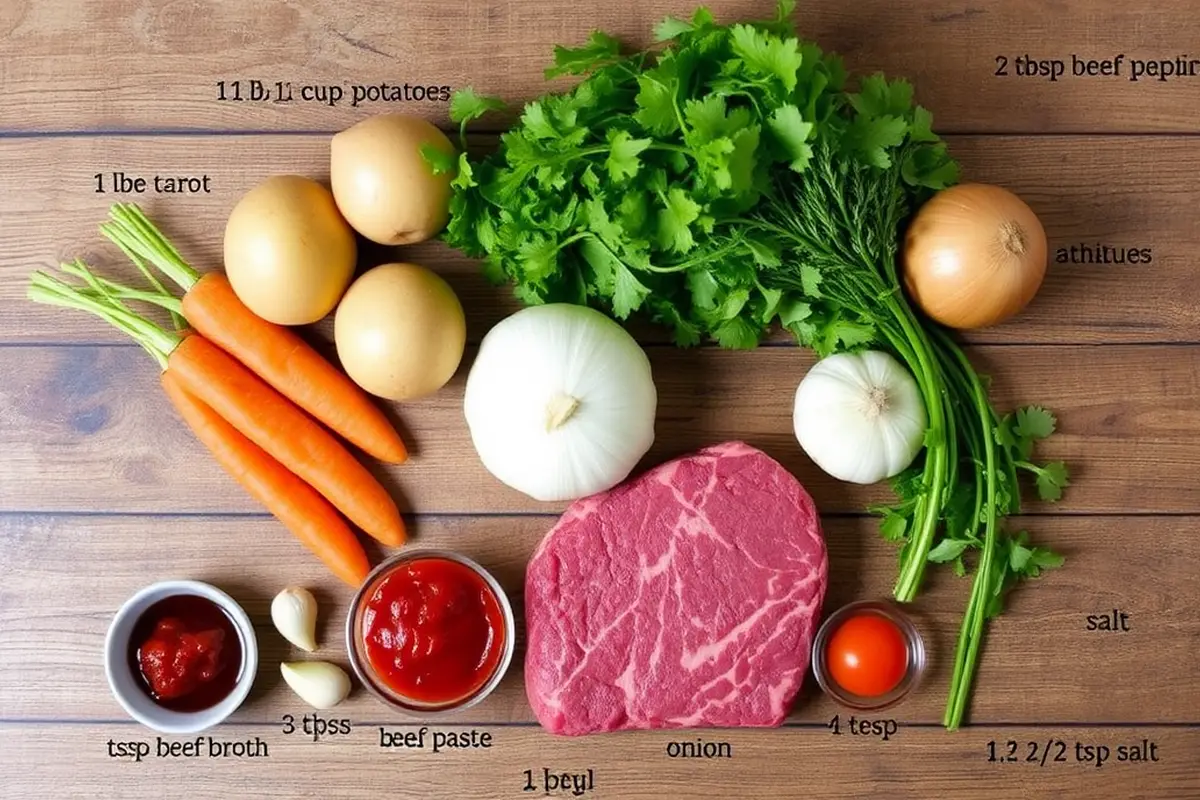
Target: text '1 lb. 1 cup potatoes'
(685, 598)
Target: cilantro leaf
(1034, 422)
(764, 251)
(948, 550)
(871, 137)
(623, 159)
(769, 55)
(1052, 478)
(466, 105)
(628, 292)
(537, 123)
(704, 288)
(879, 98)
(1043, 559)
(737, 334)
(893, 527)
(440, 162)
(929, 166)
(671, 27)
(539, 258)
(771, 298)
(603, 262)
(847, 335)
(656, 106)
(921, 129)
(679, 212)
(706, 118)
(810, 280)
(793, 311)
(600, 49)
(465, 179)
(600, 223)
(792, 134)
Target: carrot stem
(116, 291)
(133, 232)
(44, 288)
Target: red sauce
(187, 652)
(433, 631)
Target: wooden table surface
(103, 491)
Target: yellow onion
(974, 256)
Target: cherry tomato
(867, 655)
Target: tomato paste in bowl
(430, 631)
(180, 656)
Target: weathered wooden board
(103, 491)
(811, 764)
(1126, 193)
(155, 64)
(52, 658)
(87, 428)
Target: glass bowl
(912, 637)
(362, 664)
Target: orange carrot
(275, 424)
(273, 352)
(246, 402)
(288, 363)
(297, 505)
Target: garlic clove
(294, 612)
(320, 684)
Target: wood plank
(1122, 192)
(1040, 664)
(86, 428)
(809, 764)
(156, 63)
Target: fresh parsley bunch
(728, 181)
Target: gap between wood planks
(102, 133)
(21, 721)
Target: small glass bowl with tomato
(180, 656)
(868, 655)
(430, 632)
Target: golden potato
(288, 252)
(400, 331)
(382, 183)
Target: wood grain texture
(786, 764)
(86, 428)
(103, 491)
(1122, 192)
(151, 64)
(52, 661)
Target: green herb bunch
(727, 182)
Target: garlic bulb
(320, 684)
(860, 416)
(560, 402)
(294, 612)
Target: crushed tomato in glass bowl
(430, 631)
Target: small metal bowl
(362, 665)
(912, 637)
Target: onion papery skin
(975, 255)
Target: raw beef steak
(687, 597)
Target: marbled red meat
(687, 597)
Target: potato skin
(288, 253)
(382, 183)
(400, 331)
